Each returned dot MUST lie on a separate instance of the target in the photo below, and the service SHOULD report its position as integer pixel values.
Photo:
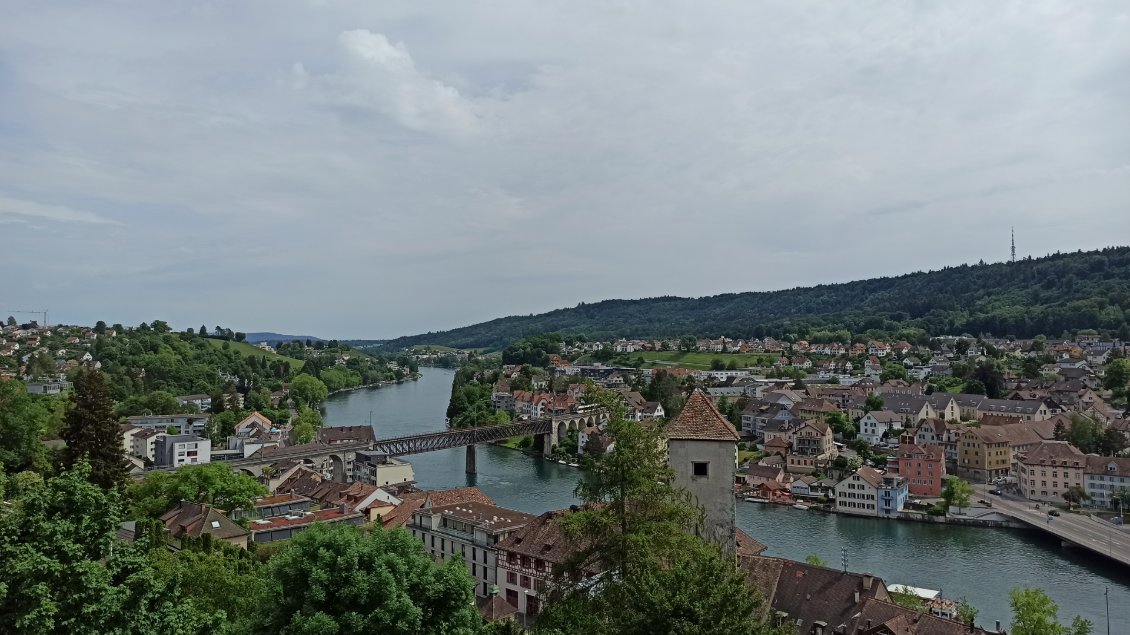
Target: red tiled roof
(701, 421)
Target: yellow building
(983, 454)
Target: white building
(175, 450)
(874, 424)
(1103, 477)
(858, 493)
(468, 530)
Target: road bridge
(1075, 530)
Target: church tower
(702, 450)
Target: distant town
(974, 431)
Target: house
(757, 474)
(286, 527)
(876, 425)
(858, 494)
(923, 467)
(892, 493)
(468, 530)
(188, 423)
(1103, 477)
(773, 492)
(194, 520)
(984, 454)
(203, 403)
(175, 450)
(143, 443)
(337, 435)
(804, 486)
(1050, 469)
(525, 560)
(811, 598)
(815, 409)
(412, 501)
(380, 469)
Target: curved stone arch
(337, 467)
(249, 472)
(562, 429)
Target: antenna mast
(1013, 244)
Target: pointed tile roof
(701, 421)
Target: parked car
(1053, 512)
(995, 491)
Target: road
(1078, 529)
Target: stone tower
(702, 450)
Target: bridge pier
(472, 467)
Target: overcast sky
(374, 169)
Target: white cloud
(382, 76)
(10, 206)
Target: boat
(800, 506)
(562, 462)
(753, 499)
(574, 465)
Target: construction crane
(42, 312)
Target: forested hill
(1050, 295)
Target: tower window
(699, 468)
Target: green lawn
(250, 349)
(659, 359)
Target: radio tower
(1013, 244)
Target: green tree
(635, 529)
(62, 569)
(957, 493)
(307, 390)
(815, 560)
(11, 320)
(382, 582)
(966, 612)
(904, 598)
(1034, 613)
(872, 403)
(894, 370)
(91, 431)
(1075, 495)
(212, 483)
(226, 580)
(24, 420)
(1116, 375)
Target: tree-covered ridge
(1033, 296)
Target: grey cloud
(373, 169)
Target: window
(511, 577)
(526, 583)
(699, 468)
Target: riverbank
(374, 385)
(996, 521)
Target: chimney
(998, 626)
(857, 597)
(867, 578)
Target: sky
(375, 169)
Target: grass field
(249, 349)
(659, 359)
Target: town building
(470, 530)
(923, 467)
(1105, 479)
(875, 425)
(702, 450)
(858, 494)
(202, 402)
(983, 454)
(175, 450)
(381, 470)
(1050, 469)
(194, 520)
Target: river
(979, 564)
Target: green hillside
(1050, 295)
(248, 350)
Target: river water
(979, 564)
